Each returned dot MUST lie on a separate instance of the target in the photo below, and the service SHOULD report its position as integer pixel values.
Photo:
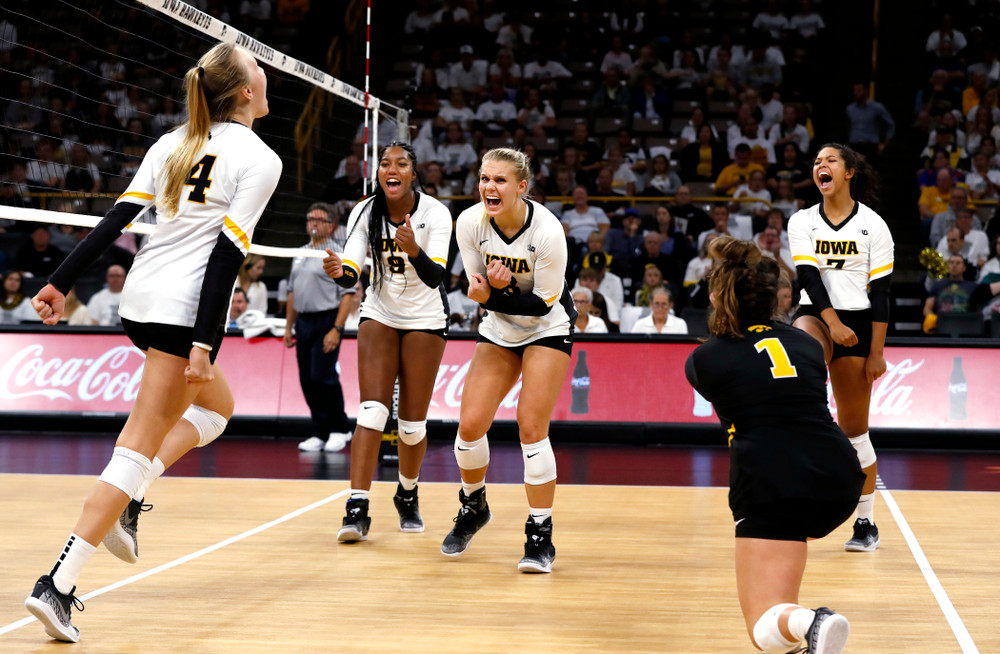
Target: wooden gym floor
(239, 564)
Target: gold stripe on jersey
(353, 265)
(805, 257)
(880, 270)
(516, 266)
(440, 261)
(552, 299)
(238, 233)
(136, 194)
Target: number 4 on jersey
(199, 179)
(781, 367)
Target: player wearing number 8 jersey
(404, 320)
(210, 180)
(843, 254)
(793, 474)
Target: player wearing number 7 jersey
(404, 319)
(793, 474)
(843, 255)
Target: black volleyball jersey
(769, 391)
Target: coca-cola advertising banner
(640, 382)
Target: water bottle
(957, 392)
(580, 386)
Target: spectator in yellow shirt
(739, 171)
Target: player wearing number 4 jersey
(514, 252)
(843, 254)
(793, 474)
(210, 180)
(404, 320)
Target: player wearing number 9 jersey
(210, 180)
(404, 320)
(793, 473)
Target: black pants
(318, 373)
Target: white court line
(190, 557)
(954, 620)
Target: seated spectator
(669, 267)
(611, 98)
(608, 284)
(754, 188)
(44, 171)
(724, 224)
(455, 110)
(648, 100)
(647, 66)
(14, 306)
(662, 181)
(929, 174)
(624, 243)
(945, 32)
(505, 70)
(724, 79)
(455, 155)
(103, 305)
(982, 180)
(952, 294)
(425, 101)
(772, 21)
(349, 188)
(589, 278)
(945, 220)
(514, 34)
(75, 313)
(776, 219)
(599, 311)
(604, 188)
(82, 174)
(993, 265)
(464, 312)
(761, 69)
(934, 199)
(971, 244)
(545, 72)
(582, 218)
(675, 243)
(761, 149)
(561, 184)
(805, 25)
(616, 58)
(696, 275)
(586, 323)
(789, 131)
(689, 133)
(690, 219)
(468, 73)
(660, 320)
(784, 199)
(588, 153)
(770, 246)
(38, 256)
(536, 116)
(623, 180)
(786, 306)
(539, 169)
(237, 307)
(248, 280)
(737, 172)
(704, 158)
(981, 124)
(496, 115)
(771, 109)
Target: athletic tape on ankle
(539, 462)
(208, 424)
(412, 432)
(863, 446)
(767, 633)
(126, 470)
(372, 415)
(474, 455)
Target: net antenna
(216, 29)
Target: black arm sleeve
(429, 272)
(527, 304)
(878, 295)
(349, 279)
(91, 248)
(217, 289)
(813, 285)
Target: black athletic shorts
(860, 321)
(793, 519)
(443, 333)
(561, 343)
(172, 339)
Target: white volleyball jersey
(402, 300)
(231, 182)
(848, 255)
(536, 256)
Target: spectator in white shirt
(545, 72)
(583, 219)
(583, 298)
(993, 265)
(496, 115)
(455, 155)
(617, 58)
(660, 320)
(514, 34)
(468, 73)
(44, 170)
(103, 305)
(771, 21)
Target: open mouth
(492, 202)
(393, 184)
(825, 179)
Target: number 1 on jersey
(781, 367)
(199, 179)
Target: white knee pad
(539, 462)
(767, 634)
(208, 424)
(474, 455)
(126, 471)
(372, 415)
(412, 432)
(863, 446)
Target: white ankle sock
(154, 473)
(539, 515)
(74, 556)
(407, 483)
(358, 494)
(866, 507)
(472, 488)
(799, 622)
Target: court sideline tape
(189, 557)
(954, 620)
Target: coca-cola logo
(109, 376)
(450, 384)
(890, 396)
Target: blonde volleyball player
(514, 251)
(210, 179)
(843, 254)
(404, 319)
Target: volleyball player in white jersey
(210, 180)
(843, 254)
(514, 251)
(404, 320)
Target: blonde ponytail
(213, 88)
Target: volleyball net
(90, 85)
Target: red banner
(606, 382)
